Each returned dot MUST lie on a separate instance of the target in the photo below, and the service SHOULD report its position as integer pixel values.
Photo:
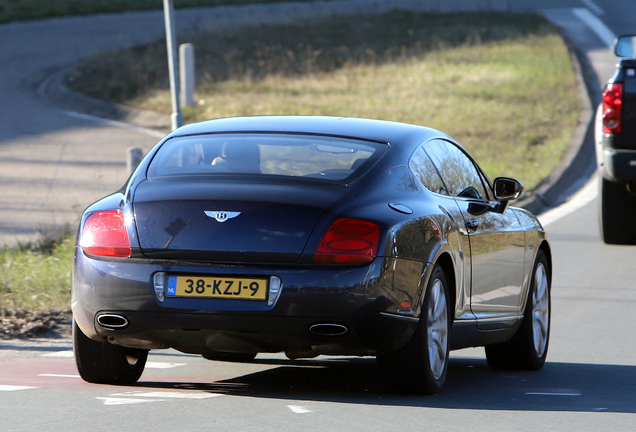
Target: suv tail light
(348, 241)
(105, 234)
(612, 108)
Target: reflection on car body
(309, 236)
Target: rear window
(318, 157)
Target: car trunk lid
(229, 221)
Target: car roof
(374, 130)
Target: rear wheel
(617, 211)
(103, 363)
(421, 365)
(528, 349)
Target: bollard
(186, 73)
(134, 157)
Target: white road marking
(593, 7)
(9, 388)
(116, 124)
(159, 365)
(60, 354)
(127, 401)
(59, 376)
(298, 409)
(596, 25)
(553, 394)
(580, 199)
(136, 397)
(168, 395)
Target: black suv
(616, 148)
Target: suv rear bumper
(619, 165)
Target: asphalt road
(588, 383)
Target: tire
(421, 365)
(103, 363)
(528, 349)
(229, 357)
(617, 211)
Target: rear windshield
(309, 156)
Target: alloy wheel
(540, 310)
(437, 327)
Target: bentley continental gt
(309, 236)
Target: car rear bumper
(358, 310)
(199, 333)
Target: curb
(54, 88)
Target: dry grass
(500, 84)
(495, 100)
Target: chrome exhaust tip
(328, 329)
(112, 321)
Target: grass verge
(20, 10)
(501, 84)
(35, 284)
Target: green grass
(37, 277)
(20, 10)
(501, 84)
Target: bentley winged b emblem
(222, 216)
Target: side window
(460, 175)
(426, 172)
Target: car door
(496, 241)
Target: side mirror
(624, 46)
(507, 189)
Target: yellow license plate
(217, 287)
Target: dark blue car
(309, 236)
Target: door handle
(472, 225)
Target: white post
(186, 73)
(171, 42)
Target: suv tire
(617, 212)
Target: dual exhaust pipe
(119, 322)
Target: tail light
(612, 108)
(105, 234)
(348, 241)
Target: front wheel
(421, 365)
(103, 363)
(528, 349)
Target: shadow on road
(470, 384)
